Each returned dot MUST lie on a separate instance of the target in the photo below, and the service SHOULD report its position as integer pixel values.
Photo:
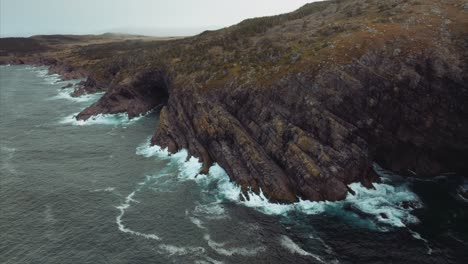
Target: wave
(210, 211)
(382, 208)
(101, 119)
(52, 78)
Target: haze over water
(96, 192)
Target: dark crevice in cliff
(136, 96)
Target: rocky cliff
(300, 105)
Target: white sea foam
(52, 78)
(328, 248)
(101, 119)
(294, 248)
(222, 249)
(65, 94)
(7, 155)
(383, 204)
(108, 189)
(180, 251)
(147, 150)
(211, 211)
(208, 261)
(40, 72)
(197, 222)
(128, 200)
(418, 236)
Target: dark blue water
(96, 192)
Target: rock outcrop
(311, 135)
(315, 129)
(134, 96)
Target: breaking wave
(101, 119)
(66, 95)
(382, 208)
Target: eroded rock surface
(134, 96)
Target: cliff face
(396, 95)
(134, 96)
(311, 135)
(300, 105)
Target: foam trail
(294, 248)
(128, 200)
(146, 150)
(328, 248)
(220, 249)
(180, 251)
(208, 261)
(418, 236)
(463, 188)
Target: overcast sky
(151, 17)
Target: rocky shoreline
(303, 116)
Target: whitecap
(327, 247)
(65, 94)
